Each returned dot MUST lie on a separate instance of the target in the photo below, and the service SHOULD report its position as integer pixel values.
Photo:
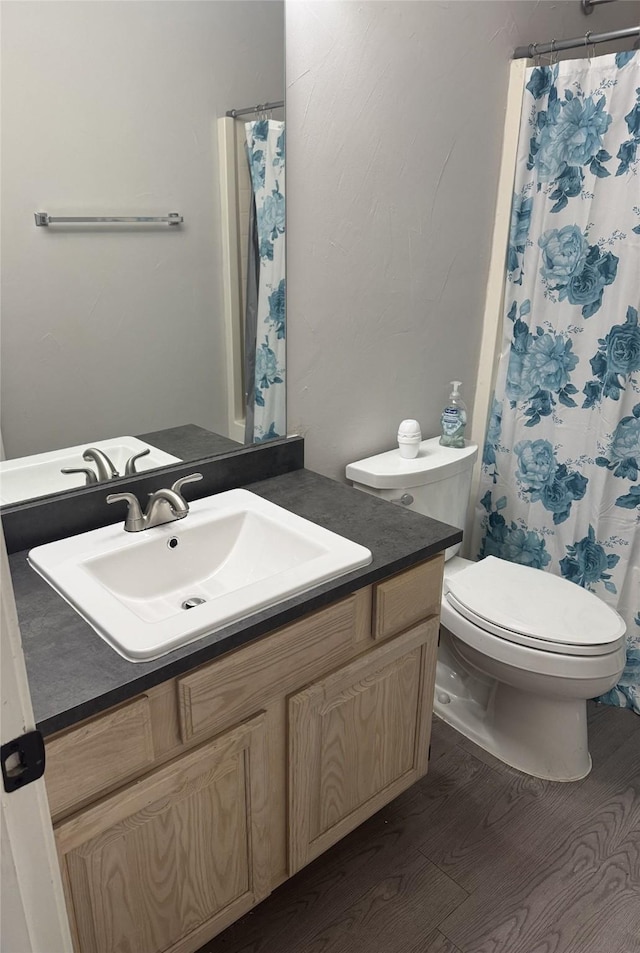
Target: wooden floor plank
(435, 943)
(571, 892)
(398, 912)
(471, 843)
(443, 739)
(609, 729)
(482, 842)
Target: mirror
(117, 329)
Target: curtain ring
(553, 58)
(590, 52)
(535, 56)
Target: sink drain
(193, 602)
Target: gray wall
(109, 107)
(395, 116)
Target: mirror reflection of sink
(26, 477)
(147, 593)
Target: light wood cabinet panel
(98, 754)
(226, 689)
(405, 599)
(357, 738)
(175, 857)
(190, 807)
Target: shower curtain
(560, 487)
(265, 329)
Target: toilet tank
(438, 480)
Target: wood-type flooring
(475, 858)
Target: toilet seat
(529, 607)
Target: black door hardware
(22, 760)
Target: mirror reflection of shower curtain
(265, 324)
(251, 322)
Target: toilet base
(541, 736)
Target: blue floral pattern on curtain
(266, 151)
(560, 487)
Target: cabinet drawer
(224, 691)
(407, 598)
(98, 754)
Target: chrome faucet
(164, 506)
(104, 467)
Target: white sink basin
(27, 477)
(235, 551)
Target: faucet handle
(90, 477)
(192, 478)
(130, 467)
(135, 520)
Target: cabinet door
(169, 861)
(357, 739)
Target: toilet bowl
(521, 695)
(521, 650)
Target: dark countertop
(190, 442)
(73, 673)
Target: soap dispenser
(453, 419)
(409, 438)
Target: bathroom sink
(27, 477)
(147, 593)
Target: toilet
(521, 650)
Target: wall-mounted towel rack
(588, 6)
(43, 218)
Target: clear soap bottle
(453, 419)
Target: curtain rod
(533, 49)
(260, 108)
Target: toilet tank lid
(393, 472)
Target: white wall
(395, 113)
(108, 107)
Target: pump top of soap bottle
(454, 419)
(409, 438)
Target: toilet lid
(532, 607)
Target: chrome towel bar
(43, 218)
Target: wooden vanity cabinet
(179, 810)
